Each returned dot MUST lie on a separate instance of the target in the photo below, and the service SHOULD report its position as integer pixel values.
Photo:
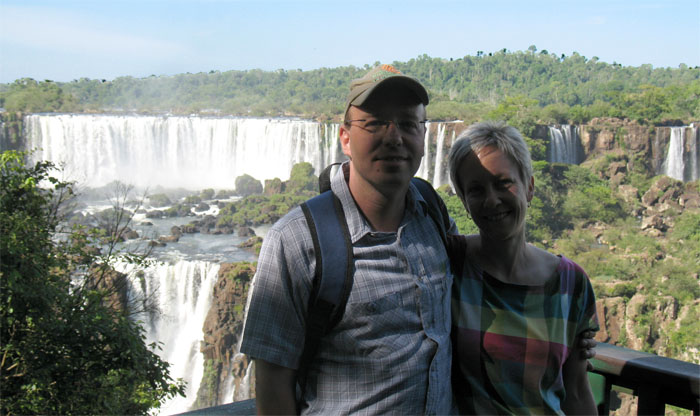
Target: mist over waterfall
(681, 161)
(179, 152)
(564, 145)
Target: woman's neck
(503, 259)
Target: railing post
(649, 401)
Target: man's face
(385, 156)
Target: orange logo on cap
(390, 68)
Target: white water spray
(183, 293)
(179, 152)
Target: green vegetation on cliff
(260, 209)
(69, 345)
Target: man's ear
(345, 139)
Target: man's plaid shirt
(391, 351)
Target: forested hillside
(543, 86)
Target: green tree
(457, 212)
(518, 111)
(29, 96)
(248, 185)
(302, 178)
(67, 348)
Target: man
(390, 352)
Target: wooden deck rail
(656, 381)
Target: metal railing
(656, 381)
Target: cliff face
(226, 374)
(644, 324)
(602, 135)
(11, 128)
(636, 147)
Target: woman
(517, 310)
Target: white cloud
(49, 29)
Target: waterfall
(179, 152)
(674, 165)
(694, 155)
(423, 169)
(238, 390)
(182, 291)
(245, 383)
(431, 167)
(564, 144)
(437, 178)
(196, 152)
(681, 161)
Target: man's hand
(586, 344)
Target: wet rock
(245, 232)
(201, 207)
(131, 234)
(169, 238)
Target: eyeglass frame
(383, 125)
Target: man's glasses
(376, 126)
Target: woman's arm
(579, 397)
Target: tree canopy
(69, 345)
(540, 85)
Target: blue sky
(64, 40)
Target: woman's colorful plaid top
(511, 341)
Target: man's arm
(275, 389)
(579, 397)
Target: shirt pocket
(374, 328)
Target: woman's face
(494, 193)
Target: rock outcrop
(222, 330)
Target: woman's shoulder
(548, 263)
(566, 264)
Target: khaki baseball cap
(362, 88)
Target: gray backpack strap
(333, 279)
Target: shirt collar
(357, 224)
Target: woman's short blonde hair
(490, 133)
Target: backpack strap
(333, 277)
(436, 207)
(324, 179)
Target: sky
(64, 40)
